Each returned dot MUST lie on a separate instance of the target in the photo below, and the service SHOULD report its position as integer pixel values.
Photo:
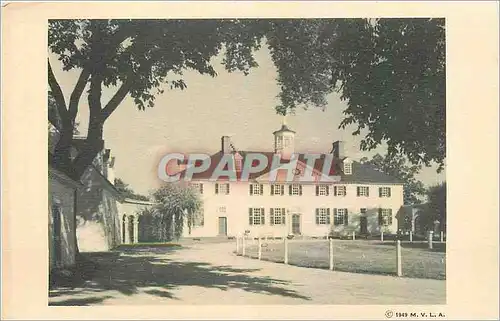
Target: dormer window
(347, 168)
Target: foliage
(437, 204)
(397, 167)
(391, 72)
(176, 205)
(128, 192)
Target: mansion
(362, 200)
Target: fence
(421, 259)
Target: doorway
(296, 224)
(363, 225)
(222, 226)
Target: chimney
(226, 144)
(338, 149)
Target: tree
(126, 191)
(436, 196)
(177, 204)
(138, 57)
(397, 167)
(391, 72)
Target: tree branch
(77, 93)
(57, 93)
(115, 101)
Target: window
(198, 187)
(362, 211)
(347, 168)
(256, 189)
(384, 192)
(322, 190)
(221, 209)
(222, 188)
(340, 190)
(279, 142)
(277, 189)
(256, 216)
(295, 189)
(385, 216)
(363, 191)
(277, 216)
(340, 216)
(323, 216)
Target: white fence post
(411, 237)
(286, 250)
(353, 236)
(331, 254)
(382, 236)
(243, 246)
(442, 236)
(398, 258)
(260, 248)
(429, 239)
(237, 245)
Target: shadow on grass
(80, 302)
(128, 271)
(436, 247)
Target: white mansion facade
(363, 201)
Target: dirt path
(210, 274)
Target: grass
(373, 257)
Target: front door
(363, 225)
(223, 226)
(296, 224)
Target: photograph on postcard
(247, 161)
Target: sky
(195, 119)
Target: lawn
(361, 256)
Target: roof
(284, 128)
(361, 173)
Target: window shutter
(282, 189)
(367, 191)
(380, 216)
(327, 190)
(380, 192)
(346, 217)
(271, 216)
(300, 189)
(335, 191)
(317, 216)
(289, 189)
(283, 215)
(358, 189)
(216, 188)
(328, 216)
(272, 189)
(261, 189)
(201, 188)
(227, 189)
(389, 191)
(317, 190)
(250, 212)
(262, 216)
(251, 189)
(390, 217)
